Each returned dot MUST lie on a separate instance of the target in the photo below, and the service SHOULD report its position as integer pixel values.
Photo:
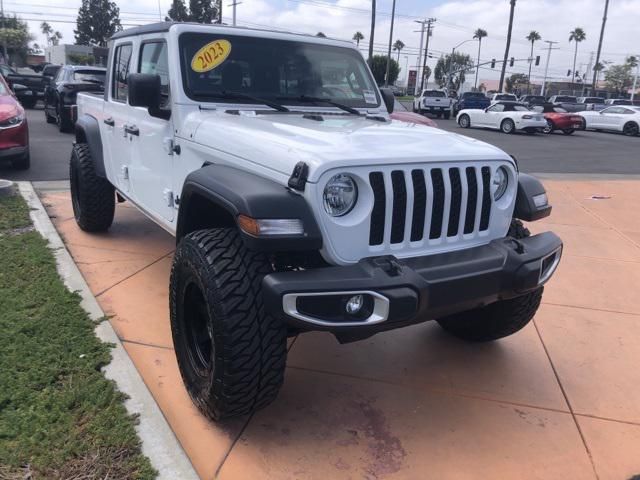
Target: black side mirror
(145, 91)
(388, 98)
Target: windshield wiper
(307, 99)
(230, 95)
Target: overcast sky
(456, 22)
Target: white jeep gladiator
(435, 102)
(297, 204)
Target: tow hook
(518, 246)
(389, 264)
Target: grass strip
(60, 418)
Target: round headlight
(500, 182)
(340, 195)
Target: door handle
(132, 130)
(109, 121)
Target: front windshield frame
(189, 42)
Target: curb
(159, 443)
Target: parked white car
(507, 97)
(618, 118)
(507, 117)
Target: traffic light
(511, 62)
(569, 73)
(493, 63)
(537, 60)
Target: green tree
(533, 37)
(357, 37)
(516, 82)
(379, 69)
(398, 45)
(97, 21)
(53, 37)
(178, 12)
(204, 11)
(455, 65)
(16, 37)
(479, 34)
(620, 77)
(508, 44)
(576, 35)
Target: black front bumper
(420, 288)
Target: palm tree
(398, 45)
(576, 35)
(479, 34)
(506, 48)
(357, 37)
(533, 37)
(373, 29)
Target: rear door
(152, 155)
(116, 116)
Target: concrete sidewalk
(560, 399)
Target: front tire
(631, 129)
(499, 319)
(507, 126)
(92, 197)
(230, 351)
(464, 121)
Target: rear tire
(230, 351)
(499, 319)
(507, 126)
(92, 197)
(464, 121)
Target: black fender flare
(88, 131)
(238, 192)
(526, 209)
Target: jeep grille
(444, 202)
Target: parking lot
(580, 153)
(559, 399)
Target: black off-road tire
(92, 197)
(499, 319)
(22, 163)
(230, 351)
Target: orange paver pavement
(560, 399)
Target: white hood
(280, 140)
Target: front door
(152, 155)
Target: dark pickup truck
(474, 100)
(27, 87)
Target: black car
(29, 88)
(60, 96)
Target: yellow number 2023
(210, 56)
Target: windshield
(89, 76)
(505, 97)
(593, 100)
(622, 102)
(277, 70)
(473, 95)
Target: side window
(121, 61)
(498, 107)
(154, 60)
(626, 111)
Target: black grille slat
(485, 213)
(472, 200)
(437, 210)
(456, 202)
(376, 232)
(419, 205)
(398, 218)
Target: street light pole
(453, 50)
(635, 79)
(546, 67)
(234, 4)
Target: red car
(559, 119)
(401, 113)
(14, 132)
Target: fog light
(354, 304)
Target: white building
(68, 54)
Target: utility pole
(604, 21)
(419, 64)
(508, 45)
(546, 67)
(393, 15)
(4, 38)
(430, 21)
(234, 10)
(635, 79)
(373, 30)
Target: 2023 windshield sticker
(210, 56)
